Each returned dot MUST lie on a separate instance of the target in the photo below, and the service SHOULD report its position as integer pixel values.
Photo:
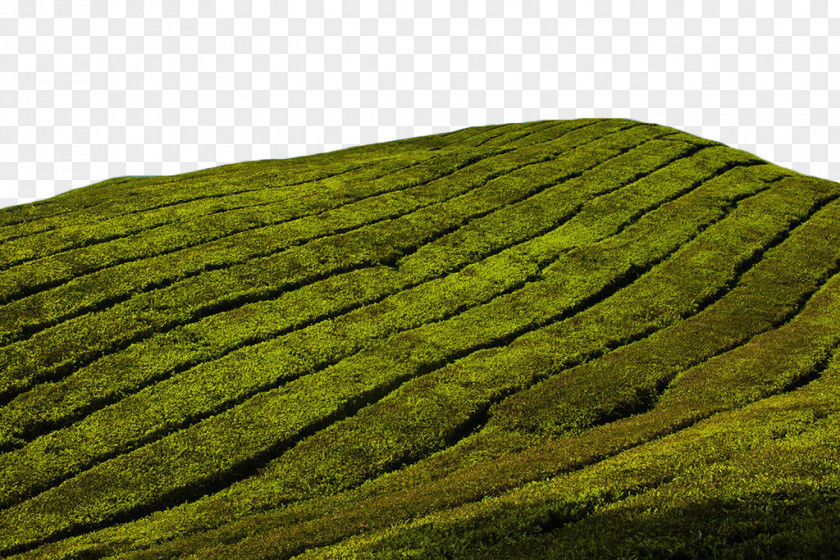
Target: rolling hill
(593, 338)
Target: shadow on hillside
(786, 526)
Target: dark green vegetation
(559, 339)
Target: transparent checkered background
(98, 89)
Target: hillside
(593, 338)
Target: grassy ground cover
(496, 342)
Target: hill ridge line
(497, 341)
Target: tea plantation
(592, 338)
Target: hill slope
(587, 338)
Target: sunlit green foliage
(589, 338)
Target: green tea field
(591, 338)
